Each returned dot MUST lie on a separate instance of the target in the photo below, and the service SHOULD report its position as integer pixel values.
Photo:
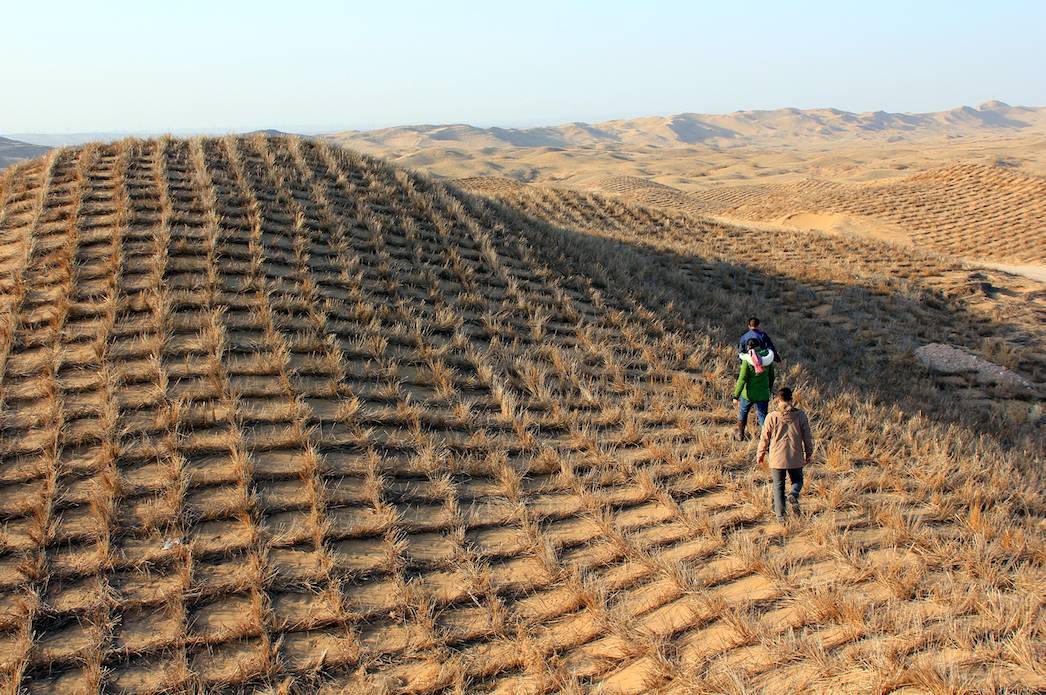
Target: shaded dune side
(830, 296)
(278, 416)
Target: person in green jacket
(755, 383)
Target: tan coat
(786, 437)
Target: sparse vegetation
(279, 417)
(973, 211)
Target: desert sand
(281, 417)
(969, 182)
(694, 151)
(965, 210)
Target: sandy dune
(13, 151)
(967, 182)
(279, 417)
(966, 210)
(691, 152)
(750, 127)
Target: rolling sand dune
(787, 250)
(692, 169)
(13, 151)
(693, 151)
(690, 128)
(966, 210)
(280, 417)
(966, 182)
(643, 190)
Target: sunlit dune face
(278, 416)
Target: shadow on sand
(864, 346)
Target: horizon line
(314, 130)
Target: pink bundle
(757, 362)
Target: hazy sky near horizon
(308, 66)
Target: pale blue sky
(307, 66)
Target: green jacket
(752, 386)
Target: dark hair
(752, 344)
(753, 322)
(785, 394)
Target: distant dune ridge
(12, 151)
(747, 127)
(969, 182)
(672, 157)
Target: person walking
(787, 441)
(755, 383)
(756, 333)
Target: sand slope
(967, 210)
(279, 417)
(13, 151)
(838, 257)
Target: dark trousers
(744, 405)
(796, 476)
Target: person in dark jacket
(755, 333)
(754, 385)
(787, 440)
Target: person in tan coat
(786, 438)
